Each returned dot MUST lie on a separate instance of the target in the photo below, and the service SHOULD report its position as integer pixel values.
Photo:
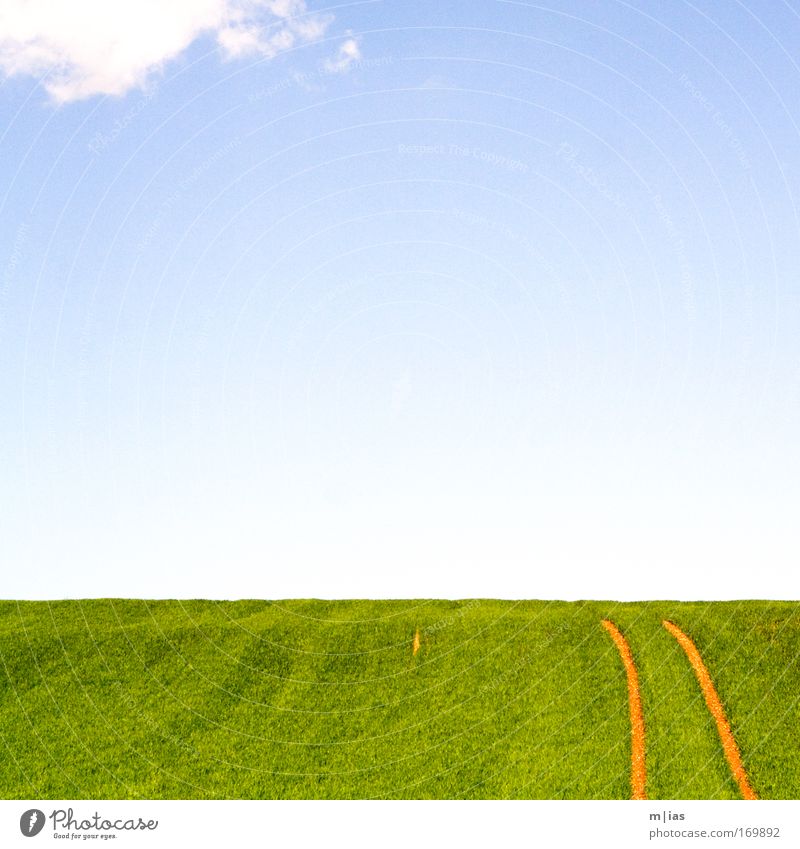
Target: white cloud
(89, 47)
(348, 52)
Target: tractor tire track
(638, 766)
(715, 708)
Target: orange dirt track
(638, 769)
(714, 705)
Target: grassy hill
(314, 699)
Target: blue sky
(400, 299)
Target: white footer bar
(400, 825)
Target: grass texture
(126, 699)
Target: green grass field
(109, 699)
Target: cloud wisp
(93, 47)
(349, 52)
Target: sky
(399, 299)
